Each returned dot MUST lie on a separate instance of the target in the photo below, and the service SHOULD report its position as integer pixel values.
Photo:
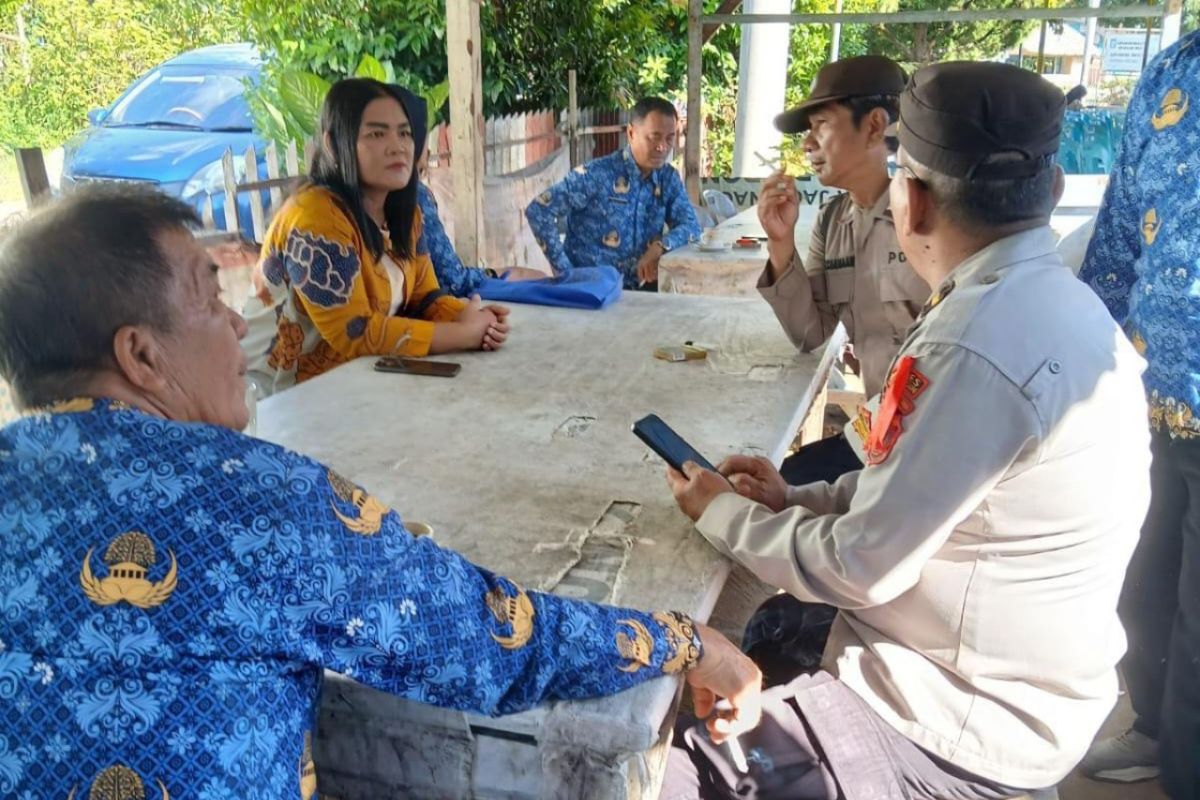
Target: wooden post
(31, 168)
(463, 43)
(292, 158)
(257, 218)
(273, 174)
(695, 110)
(573, 117)
(1041, 57)
(231, 215)
(835, 47)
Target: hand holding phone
(668, 444)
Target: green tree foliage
(916, 45)
(65, 57)
(619, 48)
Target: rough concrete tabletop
(525, 463)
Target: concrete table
(729, 271)
(735, 272)
(525, 464)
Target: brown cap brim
(795, 120)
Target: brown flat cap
(956, 116)
(862, 76)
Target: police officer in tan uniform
(855, 272)
(977, 558)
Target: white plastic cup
(419, 529)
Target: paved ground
(1077, 787)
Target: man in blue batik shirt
(616, 208)
(172, 590)
(1144, 263)
(454, 276)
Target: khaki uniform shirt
(855, 274)
(978, 557)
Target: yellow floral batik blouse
(320, 298)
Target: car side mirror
(97, 115)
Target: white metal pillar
(1171, 21)
(762, 80)
(1089, 38)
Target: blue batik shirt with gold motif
(1144, 258)
(452, 275)
(170, 593)
(612, 214)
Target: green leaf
(435, 98)
(302, 94)
(275, 114)
(369, 67)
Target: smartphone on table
(417, 366)
(668, 444)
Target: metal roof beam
(964, 15)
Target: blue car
(171, 127)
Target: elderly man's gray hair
(75, 273)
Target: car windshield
(196, 98)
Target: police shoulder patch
(904, 385)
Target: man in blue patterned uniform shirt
(452, 275)
(1144, 263)
(171, 590)
(616, 207)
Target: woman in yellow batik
(342, 274)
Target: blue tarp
(582, 287)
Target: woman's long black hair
(334, 163)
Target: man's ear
(877, 124)
(140, 358)
(1060, 184)
(920, 207)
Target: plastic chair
(719, 204)
(704, 217)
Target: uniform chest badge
(119, 782)
(905, 384)
(621, 186)
(612, 239)
(129, 558)
(1172, 109)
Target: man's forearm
(780, 254)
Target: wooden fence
(513, 144)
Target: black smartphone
(669, 445)
(417, 366)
